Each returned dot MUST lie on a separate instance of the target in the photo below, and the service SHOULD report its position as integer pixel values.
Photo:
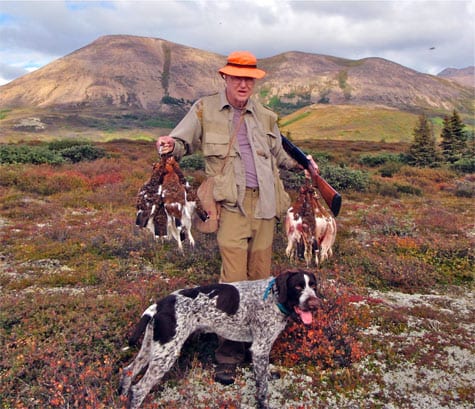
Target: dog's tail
(148, 315)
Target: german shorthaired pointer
(246, 311)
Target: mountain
(334, 80)
(464, 76)
(157, 77)
(116, 71)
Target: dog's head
(297, 292)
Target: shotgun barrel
(331, 196)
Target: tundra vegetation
(396, 328)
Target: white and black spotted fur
(247, 311)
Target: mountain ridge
(464, 76)
(161, 77)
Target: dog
(247, 311)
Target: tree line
(456, 146)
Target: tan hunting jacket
(209, 126)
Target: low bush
(388, 224)
(387, 189)
(80, 153)
(374, 160)
(465, 165)
(389, 169)
(60, 144)
(432, 175)
(322, 158)
(46, 181)
(74, 371)
(332, 340)
(53, 153)
(343, 178)
(11, 154)
(408, 189)
(193, 162)
(395, 189)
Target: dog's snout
(313, 303)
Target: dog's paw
(263, 405)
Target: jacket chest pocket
(217, 145)
(262, 145)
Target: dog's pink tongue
(305, 316)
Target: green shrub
(79, 153)
(395, 190)
(387, 190)
(53, 153)
(321, 158)
(292, 180)
(10, 154)
(408, 189)
(464, 165)
(389, 169)
(380, 159)
(342, 178)
(193, 162)
(60, 144)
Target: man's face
(239, 89)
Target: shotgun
(330, 195)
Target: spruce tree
(447, 142)
(458, 128)
(453, 138)
(423, 152)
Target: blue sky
(427, 36)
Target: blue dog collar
(268, 289)
(280, 306)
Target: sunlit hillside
(320, 121)
(350, 122)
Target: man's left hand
(313, 164)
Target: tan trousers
(245, 243)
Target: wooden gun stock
(331, 196)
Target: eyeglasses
(238, 80)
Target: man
(242, 148)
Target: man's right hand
(165, 144)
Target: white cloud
(401, 31)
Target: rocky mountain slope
(464, 76)
(157, 76)
(115, 71)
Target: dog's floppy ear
(281, 283)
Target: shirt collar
(225, 103)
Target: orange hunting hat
(242, 64)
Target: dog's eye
(298, 287)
